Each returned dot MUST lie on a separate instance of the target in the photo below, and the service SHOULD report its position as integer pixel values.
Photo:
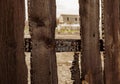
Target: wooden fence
(42, 23)
(13, 69)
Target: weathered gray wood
(90, 59)
(112, 41)
(13, 68)
(42, 18)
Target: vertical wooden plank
(42, 18)
(112, 41)
(53, 55)
(90, 59)
(13, 68)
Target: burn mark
(39, 21)
(49, 42)
(93, 35)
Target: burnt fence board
(62, 45)
(112, 41)
(42, 22)
(13, 69)
(90, 60)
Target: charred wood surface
(62, 45)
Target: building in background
(68, 23)
(69, 19)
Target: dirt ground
(64, 61)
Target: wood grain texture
(13, 68)
(112, 41)
(90, 59)
(42, 20)
(53, 55)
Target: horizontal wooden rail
(62, 45)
